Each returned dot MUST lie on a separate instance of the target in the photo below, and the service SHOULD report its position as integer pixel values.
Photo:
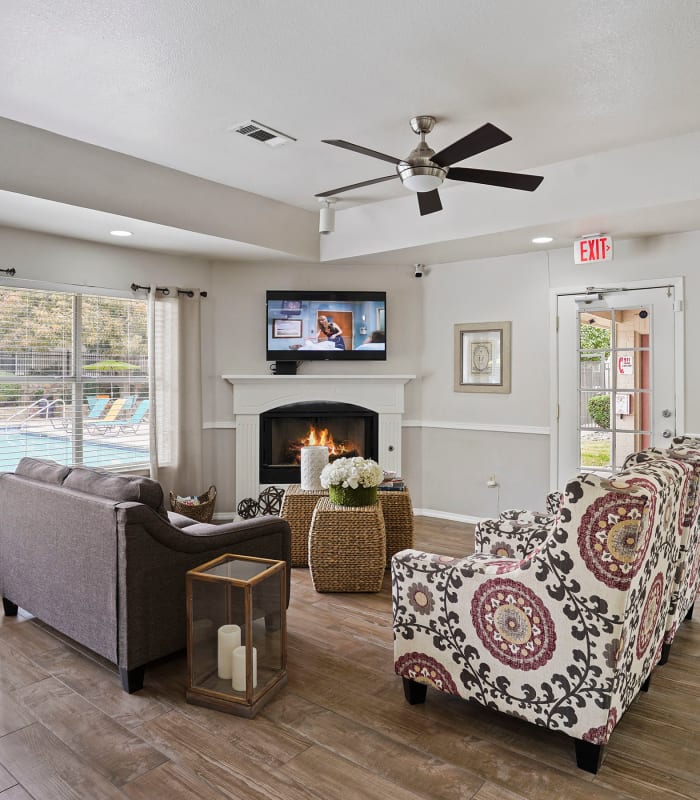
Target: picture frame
(482, 357)
(286, 328)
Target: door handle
(666, 412)
(667, 434)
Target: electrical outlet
(491, 482)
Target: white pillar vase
(313, 460)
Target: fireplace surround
(253, 395)
(346, 429)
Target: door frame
(678, 285)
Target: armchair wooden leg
(132, 679)
(665, 653)
(9, 607)
(588, 756)
(689, 615)
(415, 692)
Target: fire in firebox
(345, 448)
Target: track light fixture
(326, 223)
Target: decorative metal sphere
(270, 500)
(248, 508)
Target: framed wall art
(482, 357)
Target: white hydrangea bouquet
(352, 481)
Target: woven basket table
(297, 508)
(347, 547)
(398, 521)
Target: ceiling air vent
(263, 133)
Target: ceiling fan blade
(483, 138)
(355, 186)
(509, 180)
(429, 202)
(364, 150)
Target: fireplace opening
(347, 430)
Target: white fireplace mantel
(254, 394)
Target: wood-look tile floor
(340, 729)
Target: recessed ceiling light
(121, 233)
(542, 239)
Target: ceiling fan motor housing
(421, 175)
(418, 172)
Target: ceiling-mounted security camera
(418, 270)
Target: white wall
(238, 345)
(462, 437)
(452, 441)
(54, 259)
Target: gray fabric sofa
(97, 557)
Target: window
(73, 379)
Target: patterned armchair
(565, 637)
(552, 503)
(516, 531)
(686, 584)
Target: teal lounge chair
(137, 419)
(116, 425)
(98, 406)
(111, 419)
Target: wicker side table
(298, 508)
(347, 548)
(398, 521)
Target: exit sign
(593, 248)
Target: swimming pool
(17, 444)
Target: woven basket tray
(398, 520)
(347, 548)
(202, 512)
(297, 508)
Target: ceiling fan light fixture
(421, 178)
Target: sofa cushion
(42, 469)
(180, 520)
(122, 488)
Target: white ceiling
(164, 81)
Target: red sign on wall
(625, 365)
(593, 248)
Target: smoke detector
(263, 133)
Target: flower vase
(362, 496)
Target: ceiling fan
(424, 169)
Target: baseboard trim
(448, 515)
(229, 516)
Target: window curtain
(174, 321)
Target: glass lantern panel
(268, 601)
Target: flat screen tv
(326, 326)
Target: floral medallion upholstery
(509, 539)
(552, 503)
(565, 635)
(686, 580)
(516, 531)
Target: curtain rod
(165, 290)
(10, 271)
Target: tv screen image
(318, 326)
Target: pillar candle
(238, 669)
(229, 638)
(313, 460)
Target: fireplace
(254, 395)
(346, 429)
